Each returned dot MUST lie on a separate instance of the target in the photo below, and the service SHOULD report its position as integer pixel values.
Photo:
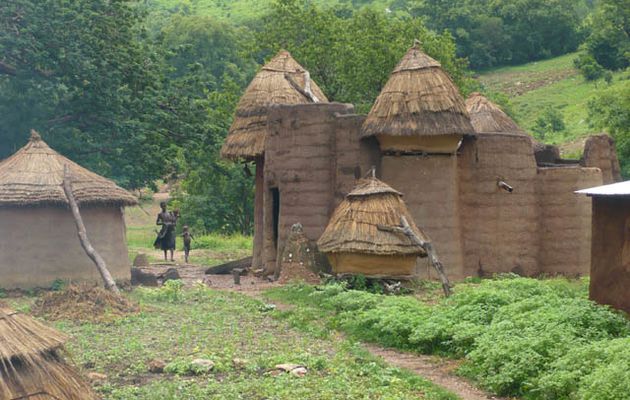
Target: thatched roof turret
(419, 99)
(31, 366)
(281, 81)
(487, 117)
(353, 227)
(34, 175)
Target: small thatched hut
(31, 366)
(355, 244)
(281, 81)
(38, 237)
(419, 109)
(487, 117)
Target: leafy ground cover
(554, 83)
(178, 325)
(518, 336)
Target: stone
(96, 378)
(144, 278)
(156, 366)
(299, 371)
(141, 260)
(202, 365)
(170, 274)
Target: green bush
(519, 336)
(588, 67)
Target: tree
(609, 110)
(609, 40)
(77, 72)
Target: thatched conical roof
(30, 364)
(487, 117)
(353, 227)
(419, 99)
(34, 176)
(281, 81)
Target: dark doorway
(275, 198)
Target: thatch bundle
(30, 364)
(487, 117)
(353, 226)
(419, 99)
(281, 81)
(34, 176)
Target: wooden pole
(109, 282)
(406, 230)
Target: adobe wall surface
(599, 152)
(430, 188)
(499, 229)
(300, 163)
(610, 266)
(565, 219)
(40, 245)
(257, 261)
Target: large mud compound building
(490, 198)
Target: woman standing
(166, 238)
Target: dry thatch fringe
(30, 364)
(487, 117)
(33, 176)
(274, 84)
(353, 226)
(419, 99)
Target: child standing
(187, 241)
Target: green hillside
(239, 11)
(554, 83)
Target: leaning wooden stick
(406, 230)
(109, 282)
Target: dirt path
(435, 369)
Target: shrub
(588, 67)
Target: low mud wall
(600, 152)
(565, 219)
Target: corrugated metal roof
(614, 189)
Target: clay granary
(490, 199)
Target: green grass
(178, 325)
(553, 83)
(208, 250)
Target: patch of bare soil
(83, 303)
(519, 83)
(297, 271)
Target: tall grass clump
(518, 336)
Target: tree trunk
(109, 282)
(406, 230)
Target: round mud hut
(281, 81)
(31, 363)
(419, 109)
(354, 243)
(38, 236)
(487, 117)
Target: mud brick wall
(430, 188)
(610, 266)
(499, 229)
(600, 152)
(565, 219)
(259, 194)
(300, 162)
(40, 244)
